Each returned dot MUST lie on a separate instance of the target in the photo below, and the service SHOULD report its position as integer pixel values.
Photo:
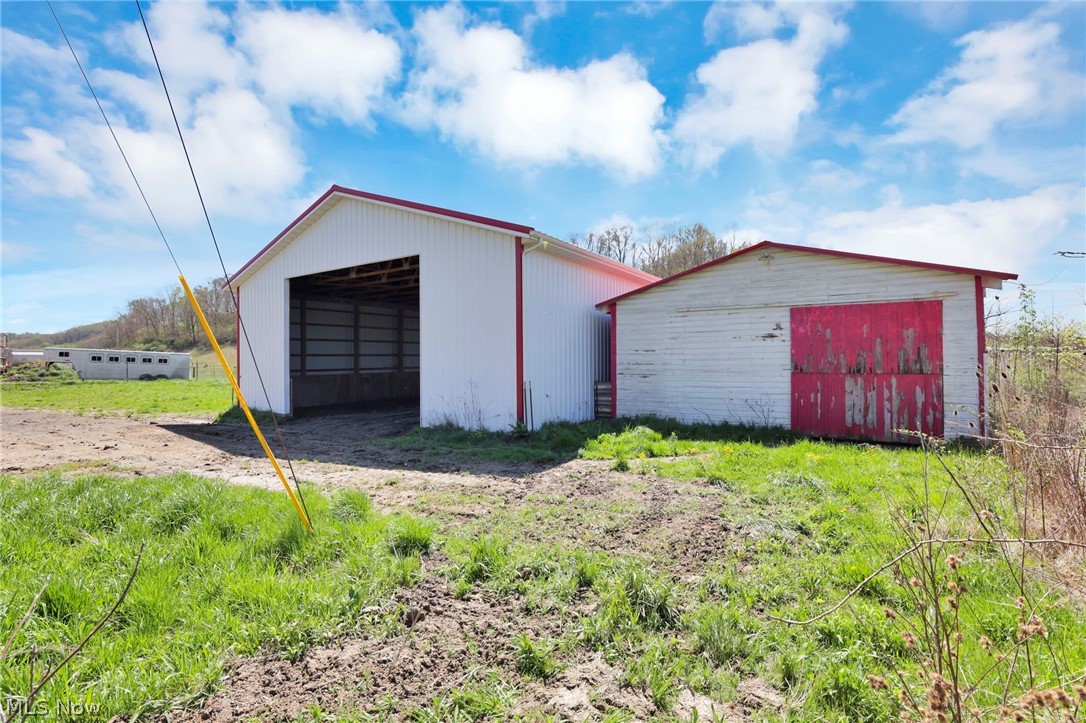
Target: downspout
(519, 292)
(981, 346)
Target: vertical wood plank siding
(466, 304)
(715, 345)
(566, 339)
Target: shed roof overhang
(989, 279)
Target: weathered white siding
(466, 305)
(715, 345)
(566, 339)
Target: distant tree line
(162, 323)
(169, 320)
(662, 252)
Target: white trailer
(121, 363)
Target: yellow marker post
(243, 405)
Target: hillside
(158, 323)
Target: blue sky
(947, 132)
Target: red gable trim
(389, 200)
(811, 249)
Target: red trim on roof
(813, 250)
(354, 193)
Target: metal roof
(810, 249)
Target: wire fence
(209, 370)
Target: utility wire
(218, 251)
(115, 139)
(158, 226)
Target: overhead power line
(218, 252)
(158, 226)
(115, 140)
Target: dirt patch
(457, 643)
(584, 502)
(681, 528)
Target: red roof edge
(389, 200)
(811, 249)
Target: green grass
(560, 441)
(226, 570)
(163, 396)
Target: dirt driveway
(589, 502)
(678, 526)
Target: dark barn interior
(354, 337)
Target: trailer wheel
(147, 377)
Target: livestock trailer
(121, 363)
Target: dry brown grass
(1041, 430)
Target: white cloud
(245, 162)
(936, 14)
(11, 252)
(1001, 235)
(329, 64)
(1027, 167)
(234, 81)
(759, 92)
(479, 87)
(192, 48)
(48, 168)
(829, 177)
(1015, 73)
(646, 8)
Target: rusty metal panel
(865, 371)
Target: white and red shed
(822, 342)
(366, 300)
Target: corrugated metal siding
(566, 340)
(466, 306)
(716, 344)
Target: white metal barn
(822, 342)
(366, 300)
(121, 363)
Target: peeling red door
(866, 371)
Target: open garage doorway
(354, 338)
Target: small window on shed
(163, 360)
(147, 360)
(96, 357)
(114, 358)
(130, 360)
(63, 354)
